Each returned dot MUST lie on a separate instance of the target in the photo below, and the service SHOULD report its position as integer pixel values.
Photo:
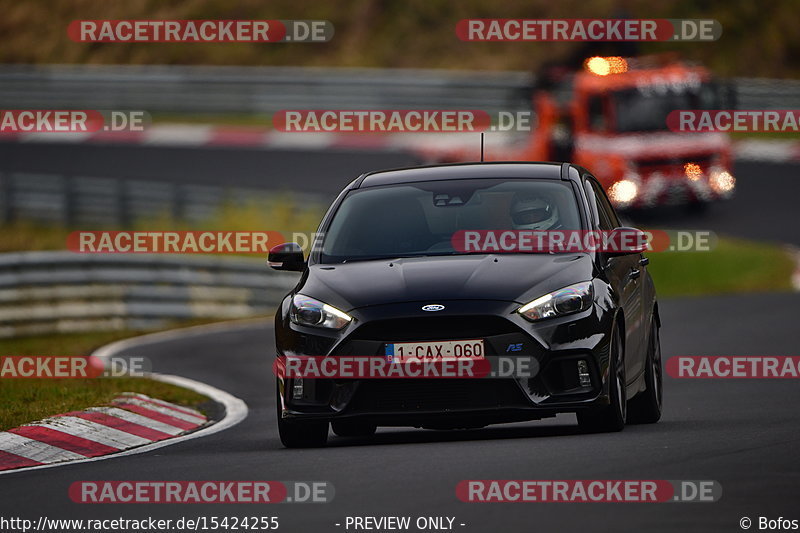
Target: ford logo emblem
(432, 307)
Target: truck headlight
(623, 192)
(721, 181)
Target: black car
(385, 271)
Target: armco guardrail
(44, 292)
(262, 90)
(114, 202)
(253, 89)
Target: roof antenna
(481, 147)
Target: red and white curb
(132, 420)
(198, 135)
(132, 424)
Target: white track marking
(302, 140)
(163, 410)
(147, 399)
(56, 137)
(136, 418)
(35, 450)
(178, 134)
(89, 430)
(775, 150)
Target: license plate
(423, 352)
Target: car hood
(514, 278)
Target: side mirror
(286, 256)
(626, 241)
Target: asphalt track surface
(764, 208)
(743, 433)
(274, 169)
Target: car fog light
(297, 389)
(583, 374)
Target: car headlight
(306, 311)
(572, 299)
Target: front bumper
(674, 188)
(556, 346)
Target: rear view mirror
(286, 256)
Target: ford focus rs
(386, 279)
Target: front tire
(300, 433)
(645, 408)
(611, 417)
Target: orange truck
(611, 117)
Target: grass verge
(734, 266)
(27, 400)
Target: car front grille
(410, 395)
(434, 328)
(672, 164)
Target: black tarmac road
(743, 433)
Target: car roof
(490, 170)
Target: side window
(608, 218)
(594, 211)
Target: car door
(624, 273)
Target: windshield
(419, 219)
(645, 108)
